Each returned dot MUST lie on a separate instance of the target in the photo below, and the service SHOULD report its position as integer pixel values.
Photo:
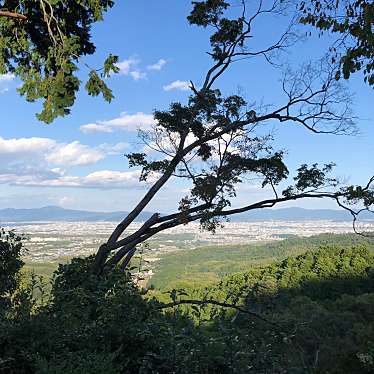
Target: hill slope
(206, 265)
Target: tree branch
(174, 220)
(8, 14)
(149, 195)
(313, 100)
(107, 248)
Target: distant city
(58, 241)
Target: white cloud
(113, 178)
(74, 154)
(137, 75)
(129, 68)
(94, 127)
(33, 160)
(113, 149)
(46, 150)
(158, 65)
(58, 171)
(102, 179)
(25, 145)
(126, 122)
(177, 85)
(66, 201)
(43, 162)
(125, 66)
(8, 77)
(5, 80)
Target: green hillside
(206, 265)
(313, 313)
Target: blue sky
(77, 162)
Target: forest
(305, 313)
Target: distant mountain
(55, 213)
(298, 214)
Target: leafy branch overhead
(42, 43)
(216, 142)
(353, 22)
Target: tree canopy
(42, 43)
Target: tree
(10, 264)
(353, 22)
(215, 142)
(42, 43)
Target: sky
(78, 161)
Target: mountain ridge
(56, 213)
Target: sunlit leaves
(96, 86)
(45, 50)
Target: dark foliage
(10, 265)
(307, 314)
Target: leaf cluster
(44, 49)
(311, 178)
(353, 21)
(228, 31)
